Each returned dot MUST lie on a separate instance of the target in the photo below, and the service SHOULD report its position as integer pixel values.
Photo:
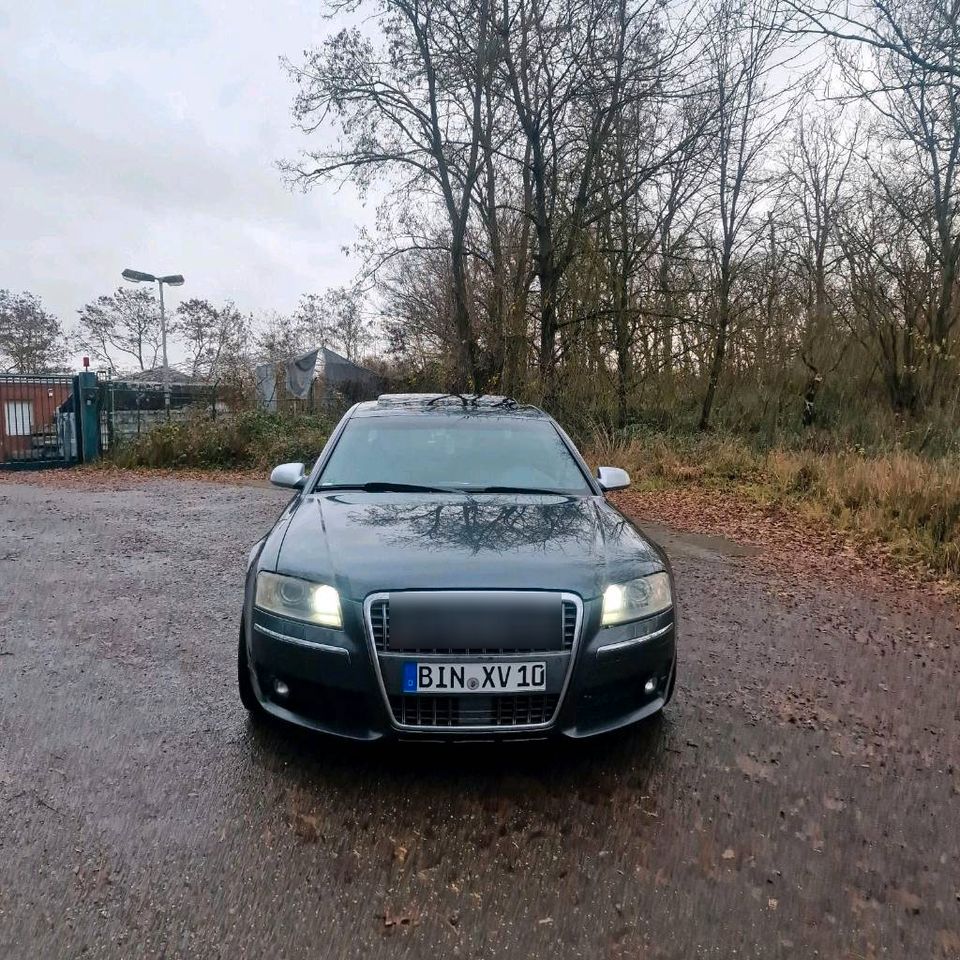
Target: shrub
(247, 439)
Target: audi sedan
(449, 567)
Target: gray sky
(145, 135)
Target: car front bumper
(333, 681)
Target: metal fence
(41, 421)
(38, 420)
(129, 408)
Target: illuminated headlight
(299, 599)
(636, 599)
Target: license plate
(474, 677)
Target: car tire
(247, 696)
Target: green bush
(247, 439)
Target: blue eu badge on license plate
(409, 678)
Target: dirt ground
(800, 798)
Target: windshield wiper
(543, 490)
(385, 486)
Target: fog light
(650, 685)
(280, 688)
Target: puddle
(697, 545)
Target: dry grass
(909, 503)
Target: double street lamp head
(172, 280)
(138, 276)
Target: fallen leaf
(306, 827)
(949, 943)
(409, 918)
(909, 901)
(754, 769)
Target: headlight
(636, 599)
(300, 599)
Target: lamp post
(172, 280)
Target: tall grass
(908, 501)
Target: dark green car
(450, 568)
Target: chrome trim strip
(300, 642)
(474, 655)
(372, 598)
(633, 641)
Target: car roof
(446, 405)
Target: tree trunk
(720, 348)
(470, 376)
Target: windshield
(451, 452)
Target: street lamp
(173, 280)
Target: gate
(128, 408)
(38, 421)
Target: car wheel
(247, 697)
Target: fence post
(88, 445)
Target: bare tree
(215, 337)
(817, 174)
(411, 107)
(31, 339)
(751, 112)
(337, 320)
(924, 34)
(915, 163)
(280, 337)
(574, 72)
(888, 282)
(122, 329)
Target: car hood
(366, 542)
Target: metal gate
(128, 408)
(39, 421)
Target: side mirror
(613, 478)
(289, 475)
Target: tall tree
(915, 164)
(336, 320)
(743, 51)
(817, 176)
(409, 107)
(923, 34)
(215, 338)
(31, 339)
(122, 330)
(573, 72)
(280, 337)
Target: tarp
(300, 375)
(265, 376)
(339, 373)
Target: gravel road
(801, 797)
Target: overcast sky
(146, 135)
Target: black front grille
(380, 627)
(569, 623)
(380, 623)
(502, 710)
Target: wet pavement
(800, 798)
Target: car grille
(380, 627)
(503, 710)
(569, 624)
